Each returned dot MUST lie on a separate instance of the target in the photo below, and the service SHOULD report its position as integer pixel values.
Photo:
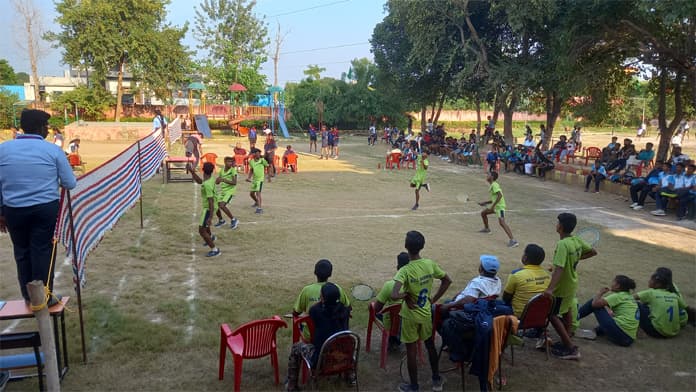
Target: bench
(174, 164)
(22, 360)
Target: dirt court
(154, 304)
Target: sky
(329, 33)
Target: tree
(93, 101)
(32, 33)
(7, 73)
(665, 33)
(103, 36)
(233, 40)
(419, 63)
(313, 72)
(7, 108)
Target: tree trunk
(508, 110)
(478, 117)
(497, 103)
(439, 107)
(423, 113)
(553, 109)
(119, 90)
(31, 17)
(667, 131)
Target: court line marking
(192, 281)
(418, 215)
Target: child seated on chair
(239, 150)
(384, 299)
(486, 285)
(288, 151)
(329, 316)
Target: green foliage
(7, 109)
(233, 40)
(104, 35)
(351, 105)
(22, 77)
(7, 73)
(313, 72)
(92, 102)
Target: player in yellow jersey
(416, 278)
(228, 187)
(209, 205)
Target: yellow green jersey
(667, 310)
(257, 166)
(567, 253)
(494, 189)
(625, 309)
(228, 175)
(417, 280)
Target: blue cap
(490, 263)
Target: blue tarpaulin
(16, 90)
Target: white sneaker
(637, 208)
(634, 204)
(658, 213)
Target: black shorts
(313, 138)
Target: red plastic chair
(338, 355)
(290, 161)
(535, 315)
(411, 163)
(255, 339)
(393, 312)
(592, 153)
(240, 162)
(209, 157)
(76, 162)
(393, 159)
(297, 326)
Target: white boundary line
(124, 278)
(192, 281)
(419, 214)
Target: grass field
(153, 303)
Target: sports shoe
(513, 244)
(407, 387)
(586, 334)
(485, 230)
(415, 207)
(220, 223)
(213, 253)
(635, 203)
(658, 212)
(427, 186)
(259, 210)
(637, 208)
(438, 384)
(532, 333)
(234, 223)
(541, 343)
(254, 205)
(565, 352)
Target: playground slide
(281, 120)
